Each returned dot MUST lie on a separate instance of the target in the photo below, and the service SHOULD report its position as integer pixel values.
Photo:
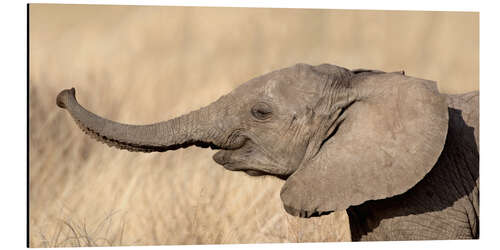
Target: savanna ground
(146, 64)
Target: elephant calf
(400, 157)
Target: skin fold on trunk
(194, 128)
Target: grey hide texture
(400, 157)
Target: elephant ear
(384, 142)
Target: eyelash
(261, 114)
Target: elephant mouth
(252, 172)
(231, 159)
(248, 158)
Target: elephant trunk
(196, 128)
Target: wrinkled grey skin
(402, 158)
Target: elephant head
(338, 137)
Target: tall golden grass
(138, 64)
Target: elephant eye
(261, 111)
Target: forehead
(298, 81)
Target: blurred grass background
(143, 64)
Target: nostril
(63, 97)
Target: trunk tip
(64, 96)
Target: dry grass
(145, 64)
